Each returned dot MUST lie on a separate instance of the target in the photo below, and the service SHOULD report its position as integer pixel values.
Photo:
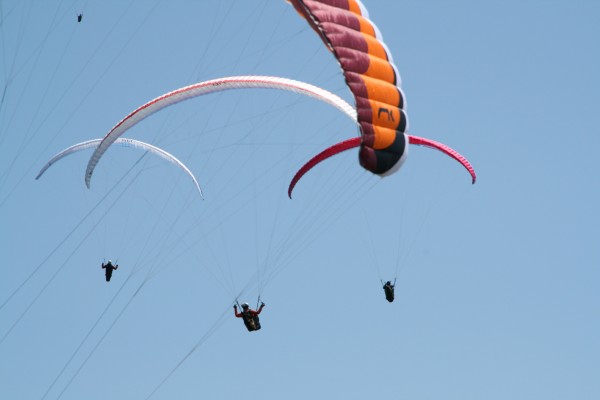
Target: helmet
(109, 262)
(245, 305)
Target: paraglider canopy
(125, 142)
(372, 77)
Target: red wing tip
(325, 154)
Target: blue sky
(497, 282)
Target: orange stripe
(384, 93)
(380, 69)
(353, 7)
(375, 47)
(385, 115)
(366, 27)
(384, 137)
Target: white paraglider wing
(211, 86)
(126, 142)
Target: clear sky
(497, 283)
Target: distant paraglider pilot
(109, 267)
(388, 288)
(249, 316)
(79, 17)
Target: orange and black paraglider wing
(355, 41)
(357, 44)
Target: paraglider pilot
(109, 267)
(388, 288)
(249, 316)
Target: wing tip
(322, 156)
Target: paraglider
(206, 87)
(370, 73)
(252, 82)
(356, 142)
(249, 316)
(388, 288)
(109, 267)
(79, 17)
(122, 142)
